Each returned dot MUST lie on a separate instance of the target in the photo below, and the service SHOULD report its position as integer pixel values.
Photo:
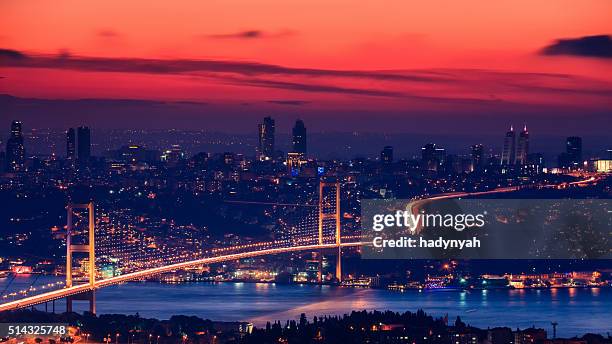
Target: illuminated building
(432, 156)
(508, 153)
(265, 148)
(294, 162)
(83, 144)
(173, 155)
(15, 150)
(70, 144)
(477, 156)
(603, 166)
(522, 149)
(299, 137)
(535, 163)
(572, 157)
(573, 146)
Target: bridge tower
(88, 248)
(335, 215)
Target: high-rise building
(522, 149)
(508, 154)
(265, 149)
(432, 156)
(15, 150)
(572, 157)
(70, 144)
(83, 144)
(573, 148)
(3, 163)
(477, 157)
(386, 155)
(299, 137)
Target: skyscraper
(522, 149)
(70, 144)
(2, 157)
(299, 137)
(573, 148)
(477, 157)
(386, 155)
(83, 144)
(15, 150)
(265, 149)
(508, 154)
(572, 157)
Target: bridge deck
(61, 293)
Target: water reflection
(462, 298)
(580, 310)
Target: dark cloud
(255, 74)
(588, 46)
(188, 102)
(604, 92)
(13, 58)
(289, 102)
(319, 88)
(11, 54)
(107, 33)
(6, 99)
(285, 85)
(64, 53)
(249, 34)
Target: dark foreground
(357, 327)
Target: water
(577, 311)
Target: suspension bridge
(320, 230)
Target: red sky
(437, 54)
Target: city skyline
(514, 151)
(514, 158)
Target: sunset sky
(480, 64)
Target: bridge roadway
(81, 288)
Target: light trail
(61, 293)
